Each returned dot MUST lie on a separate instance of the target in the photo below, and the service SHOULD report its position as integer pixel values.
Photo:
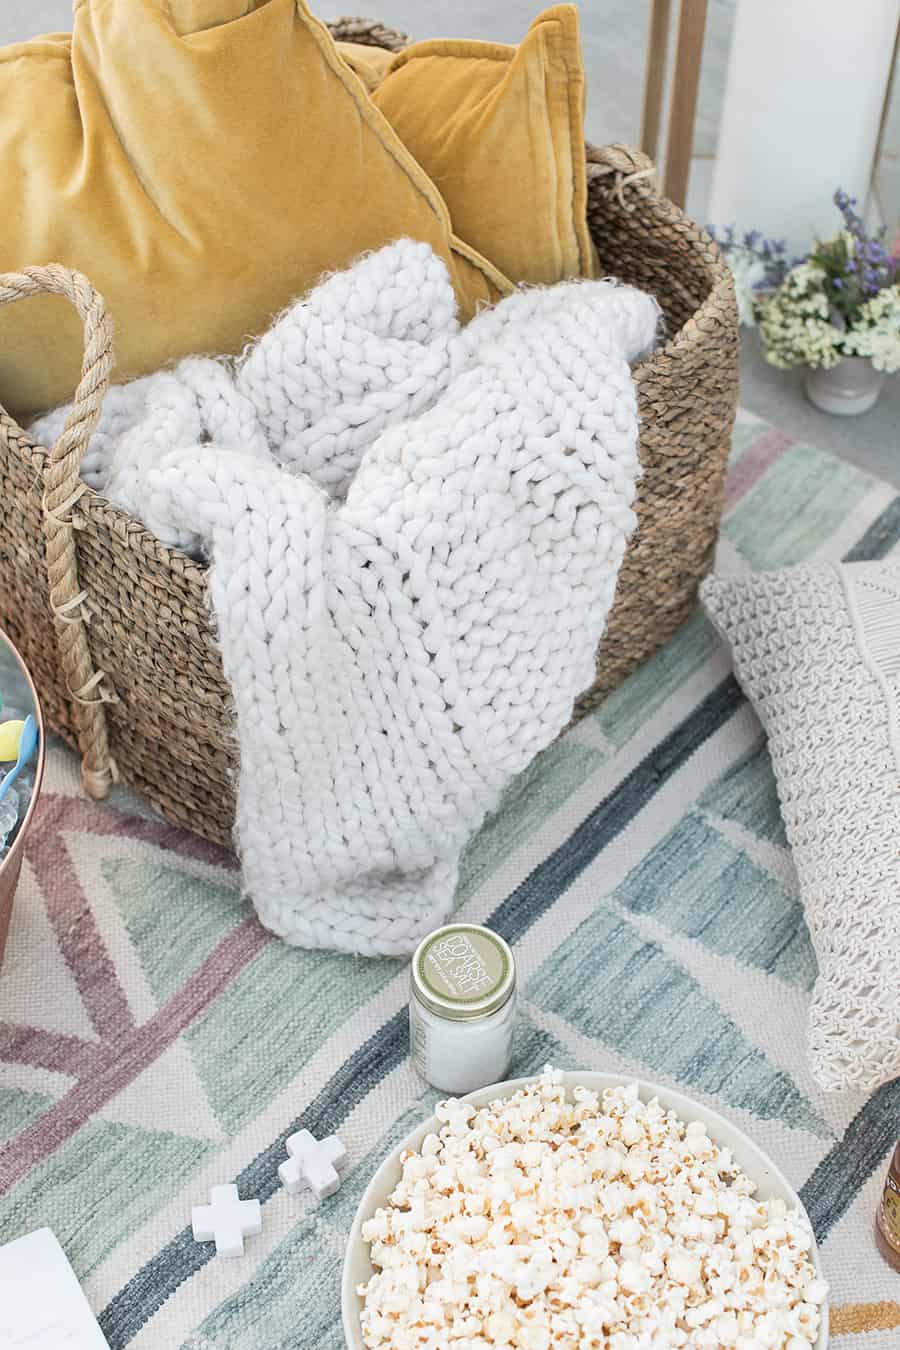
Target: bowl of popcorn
(577, 1212)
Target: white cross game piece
(227, 1220)
(312, 1164)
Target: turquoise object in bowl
(18, 692)
(27, 745)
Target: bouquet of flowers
(842, 299)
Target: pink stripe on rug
(753, 464)
(121, 1063)
(43, 1049)
(69, 911)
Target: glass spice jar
(462, 1008)
(887, 1228)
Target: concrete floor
(614, 36)
(872, 440)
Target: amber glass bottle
(888, 1226)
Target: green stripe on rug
(803, 498)
(697, 884)
(628, 707)
(19, 1108)
(100, 1186)
(174, 920)
(747, 794)
(257, 1036)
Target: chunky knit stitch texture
(367, 348)
(817, 649)
(406, 614)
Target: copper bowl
(11, 866)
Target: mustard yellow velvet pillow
(369, 63)
(203, 162)
(500, 130)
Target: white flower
(795, 323)
(876, 331)
(748, 271)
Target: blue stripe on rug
(879, 538)
(830, 1190)
(826, 1193)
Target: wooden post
(683, 107)
(655, 76)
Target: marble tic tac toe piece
(312, 1163)
(226, 1220)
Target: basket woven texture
(116, 628)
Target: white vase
(850, 387)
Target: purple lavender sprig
(772, 253)
(857, 265)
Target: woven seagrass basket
(116, 628)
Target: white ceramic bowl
(769, 1180)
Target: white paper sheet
(42, 1306)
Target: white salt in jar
(462, 1007)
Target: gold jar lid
(462, 972)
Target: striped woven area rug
(155, 1041)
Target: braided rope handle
(62, 489)
(625, 165)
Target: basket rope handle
(62, 489)
(625, 164)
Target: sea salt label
(455, 963)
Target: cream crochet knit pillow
(817, 650)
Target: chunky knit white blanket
(399, 648)
(369, 347)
